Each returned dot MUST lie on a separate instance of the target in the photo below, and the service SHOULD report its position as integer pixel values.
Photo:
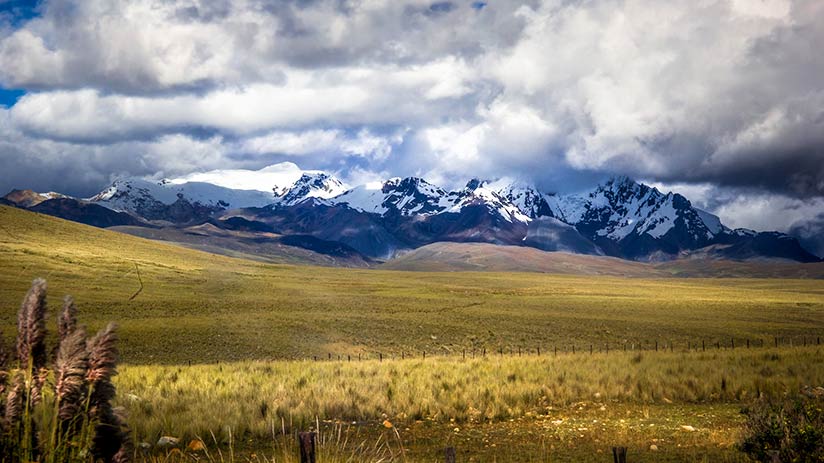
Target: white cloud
(276, 176)
(719, 92)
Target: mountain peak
(312, 184)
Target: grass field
(564, 408)
(202, 307)
(250, 330)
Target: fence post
(748, 343)
(732, 343)
(380, 357)
(358, 356)
(556, 350)
(539, 351)
(590, 349)
(330, 356)
(484, 351)
(519, 352)
(449, 453)
(776, 341)
(619, 454)
(656, 345)
(463, 353)
(573, 348)
(307, 447)
(703, 346)
(424, 355)
(348, 357)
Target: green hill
(201, 307)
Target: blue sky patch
(8, 97)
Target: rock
(597, 395)
(144, 446)
(168, 441)
(653, 447)
(813, 392)
(687, 428)
(196, 445)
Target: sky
(720, 100)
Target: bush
(792, 428)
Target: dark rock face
(86, 213)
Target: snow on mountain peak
(134, 194)
(277, 178)
(312, 184)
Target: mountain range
(379, 221)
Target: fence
(702, 345)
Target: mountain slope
(450, 257)
(455, 257)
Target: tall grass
(59, 410)
(252, 398)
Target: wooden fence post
(539, 351)
(307, 447)
(449, 453)
(619, 454)
(703, 346)
(732, 343)
(380, 357)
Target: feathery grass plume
(71, 369)
(31, 327)
(109, 437)
(15, 401)
(126, 450)
(4, 363)
(67, 321)
(38, 380)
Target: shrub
(791, 428)
(59, 410)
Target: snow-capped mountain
(405, 196)
(311, 184)
(620, 217)
(413, 196)
(175, 202)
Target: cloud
(265, 179)
(722, 97)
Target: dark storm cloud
(725, 93)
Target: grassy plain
(263, 321)
(202, 307)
